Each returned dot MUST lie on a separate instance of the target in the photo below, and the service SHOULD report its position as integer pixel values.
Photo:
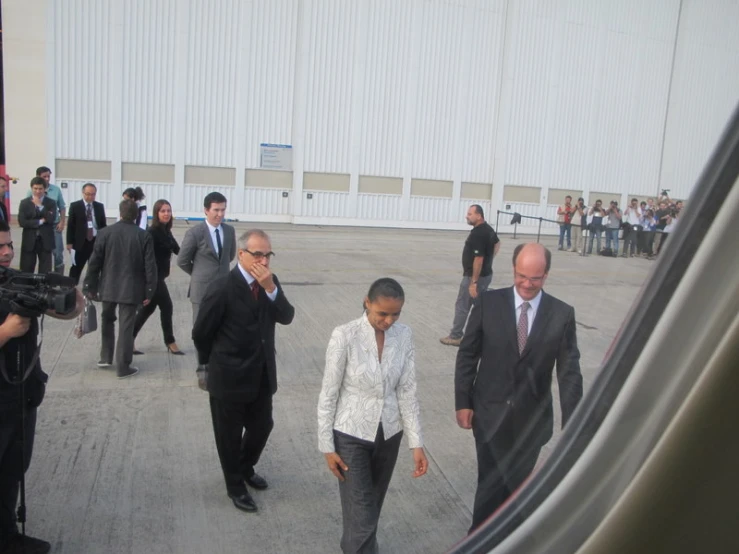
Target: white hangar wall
(398, 113)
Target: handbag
(87, 322)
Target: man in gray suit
(122, 273)
(206, 254)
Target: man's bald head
(531, 263)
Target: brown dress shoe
(449, 341)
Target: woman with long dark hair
(367, 402)
(164, 246)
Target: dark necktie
(90, 234)
(523, 327)
(218, 242)
(255, 289)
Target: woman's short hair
(385, 288)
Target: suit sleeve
(27, 217)
(569, 377)
(282, 311)
(94, 266)
(333, 376)
(71, 223)
(410, 411)
(187, 252)
(232, 252)
(150, 266)
(209, 319)
(468, 357)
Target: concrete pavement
(131, 466)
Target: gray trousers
(464, 303)
(363, 490)
(195, 310)
(124, 348)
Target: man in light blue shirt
(55, 193)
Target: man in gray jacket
(207, 250)
(122, 273)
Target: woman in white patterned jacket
(368, 399)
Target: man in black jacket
(18, 338)
(86, 218)
(234, 334)
(122, 273)
(36, 215)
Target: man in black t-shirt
(481, 246)
(18, 338)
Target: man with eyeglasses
(234, 334)
(206, 254)
(480, 248)
(503, 377)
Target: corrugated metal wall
(567, 94)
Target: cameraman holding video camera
(19, 399)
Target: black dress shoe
(137, 352)
(244, 502)
(257, 481)
(26, 545)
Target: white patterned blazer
(359, 392)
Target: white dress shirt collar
(213, 229)
(533, 306)
(246, 274)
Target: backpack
(607, 252)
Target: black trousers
(241, 430)
(11, 469)
(502, 467)
(162, 300)
(28, 257)
(80, 259)
(362, 492)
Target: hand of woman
(336, 465)
(420, 461)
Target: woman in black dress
(164, 246)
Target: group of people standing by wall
(643, 226)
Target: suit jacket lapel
(540, 323)
(209, 240)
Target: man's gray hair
(244, 239)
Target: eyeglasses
(259, 255)
(532, 280)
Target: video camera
(32, 294)
(665, 192)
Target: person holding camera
(632, 217)
(579, 220)
(22, 387)
(564, 218)
(613, 226)
(596, 215)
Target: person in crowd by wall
(564, 218)
(36, 215)
(503, 377)
(649, 225)
(613, 226)
(164, 246)
(142, 219)
(234, 334)
(579, 218)
(4, 216)
(632, 218)
(55, 193)
(367, 401)
(86, 218)
(663, 213)
(596, 217)
(480, 248)
(122, 274)
(206, 254)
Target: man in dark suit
(86, 218)
(36, 215)
(516, 335)
(234, 334)
(3, 192)
(205, 254)
(122, 273)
